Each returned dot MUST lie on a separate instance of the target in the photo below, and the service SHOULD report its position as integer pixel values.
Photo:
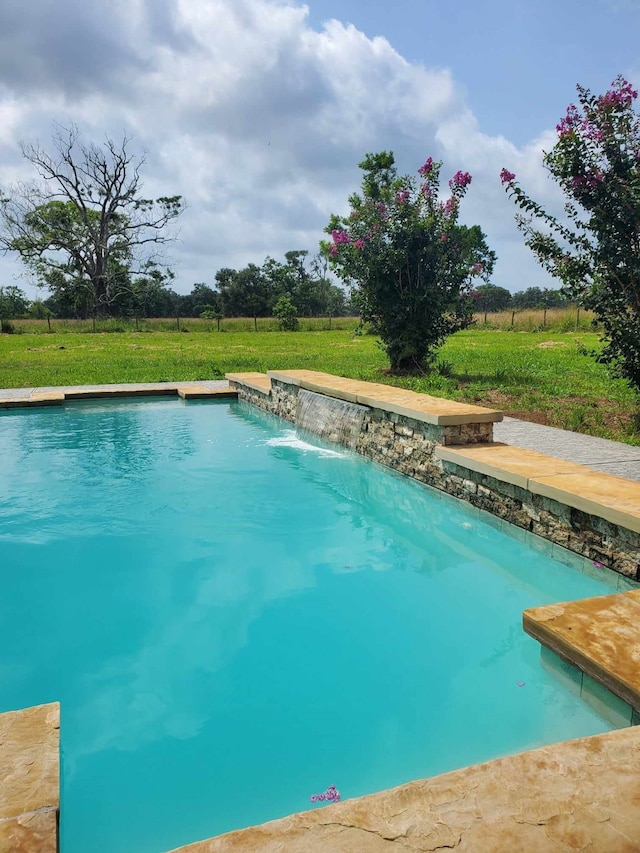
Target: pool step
(600, 636)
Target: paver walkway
(612, 457)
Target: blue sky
(258, 111)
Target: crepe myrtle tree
(85, 217)
(595, 248)
(408, 262)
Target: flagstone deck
(576, 795)
(30, 779)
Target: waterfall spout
(332, 419)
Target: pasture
(537, 369)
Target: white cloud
(260, 121)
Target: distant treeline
(250, 292)
(490, 298)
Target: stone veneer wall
(408, 446)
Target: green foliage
(13, 302)
(286, 313)
(595, 249)
(489, 297)
(411, 265)
(536, 297)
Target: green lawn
(544, 376)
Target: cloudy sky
(258, 111)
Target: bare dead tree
(85, 220)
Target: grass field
(543, 375)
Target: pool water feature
(332, 419)
(234, 618)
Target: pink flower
(332, 794)
(426, 167)
(359, 243)
(477, 268)
(622, 95)
(425, 189)
(460, 179)
(450, 206)
(506, 177)
(333, 249)
(568, 125)
(402, 197)
(443, 238)
(340, 236)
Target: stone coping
(420, 407)
(32, 397)
(256, 381)
(607, 496)
(575, 795)
(199, 392)
(598, 635)
(30, 779)
(52, 398)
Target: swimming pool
(234, 618)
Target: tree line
(254, 291)
(491, 298)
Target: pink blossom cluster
(460, 179)
(330, 795)
(506, 176)
(340, 236)
(359, 243)
(426, 167)
(477, 268)
(591, 131)
(449, 207)
(425, 189)
(402, 197)
(569, 123)
(622, 95)
(591, 180)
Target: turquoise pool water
(234, 618)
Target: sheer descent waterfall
(332, 419)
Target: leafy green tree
(595, 248)
(151, 293)
(245, 293)
(401, 249)
(286, 313)
(85, 218)
(13, 302)
(490, 297)
(204, 298)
